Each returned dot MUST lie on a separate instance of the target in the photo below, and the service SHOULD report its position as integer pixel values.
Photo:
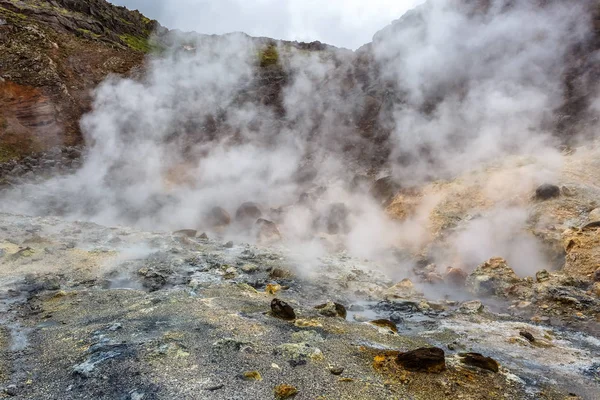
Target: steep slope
(52, 55)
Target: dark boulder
(283, 310)
(248, 212)
(547, 191)
(425, 359)
(479, 361)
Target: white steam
(456, 89)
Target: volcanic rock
(479, 361)
(331, 309)
(425, 359)
(217, 217)
(283, 310)
(455, 277)
(248, 212)
(494, 277)
(384, 189)
(547, 191)
(267, 231)
(385, 323)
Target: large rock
(217, 217)
(267, 231)
(582, 249)
(493, 277)
(248, 212)
(404, 289)
(384, 189)
(479, 361)
(547, 191)
(426, 359)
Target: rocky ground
(91, 311)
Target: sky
(342, 23)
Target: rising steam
(455, 89)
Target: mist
(469, 90)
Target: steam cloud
(463, 89)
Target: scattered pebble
(285, 392)
(252, 376)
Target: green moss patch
(268, 56)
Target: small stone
(137, 395)
(596, 275)
(272, 289)
(252, 376)
(203, 236)
(426, 359)
(115, 327)
(185, 233)
(596, 289)
(249, 268)
(280, 273)
(283, 392)
(230, 273)
(300, 351)
(356, 307)
(331, 309)
(471, 307)
(385, 323)
(479, 361)
(547, 191)
(360, 318)
(11, 390)
(542, 276)
(213, 388)
(308, 323)
(336, 370)
(283, 310)
(594, 215)
(229, 245)
(527, 336)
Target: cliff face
(52, 55)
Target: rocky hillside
(54, 53)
